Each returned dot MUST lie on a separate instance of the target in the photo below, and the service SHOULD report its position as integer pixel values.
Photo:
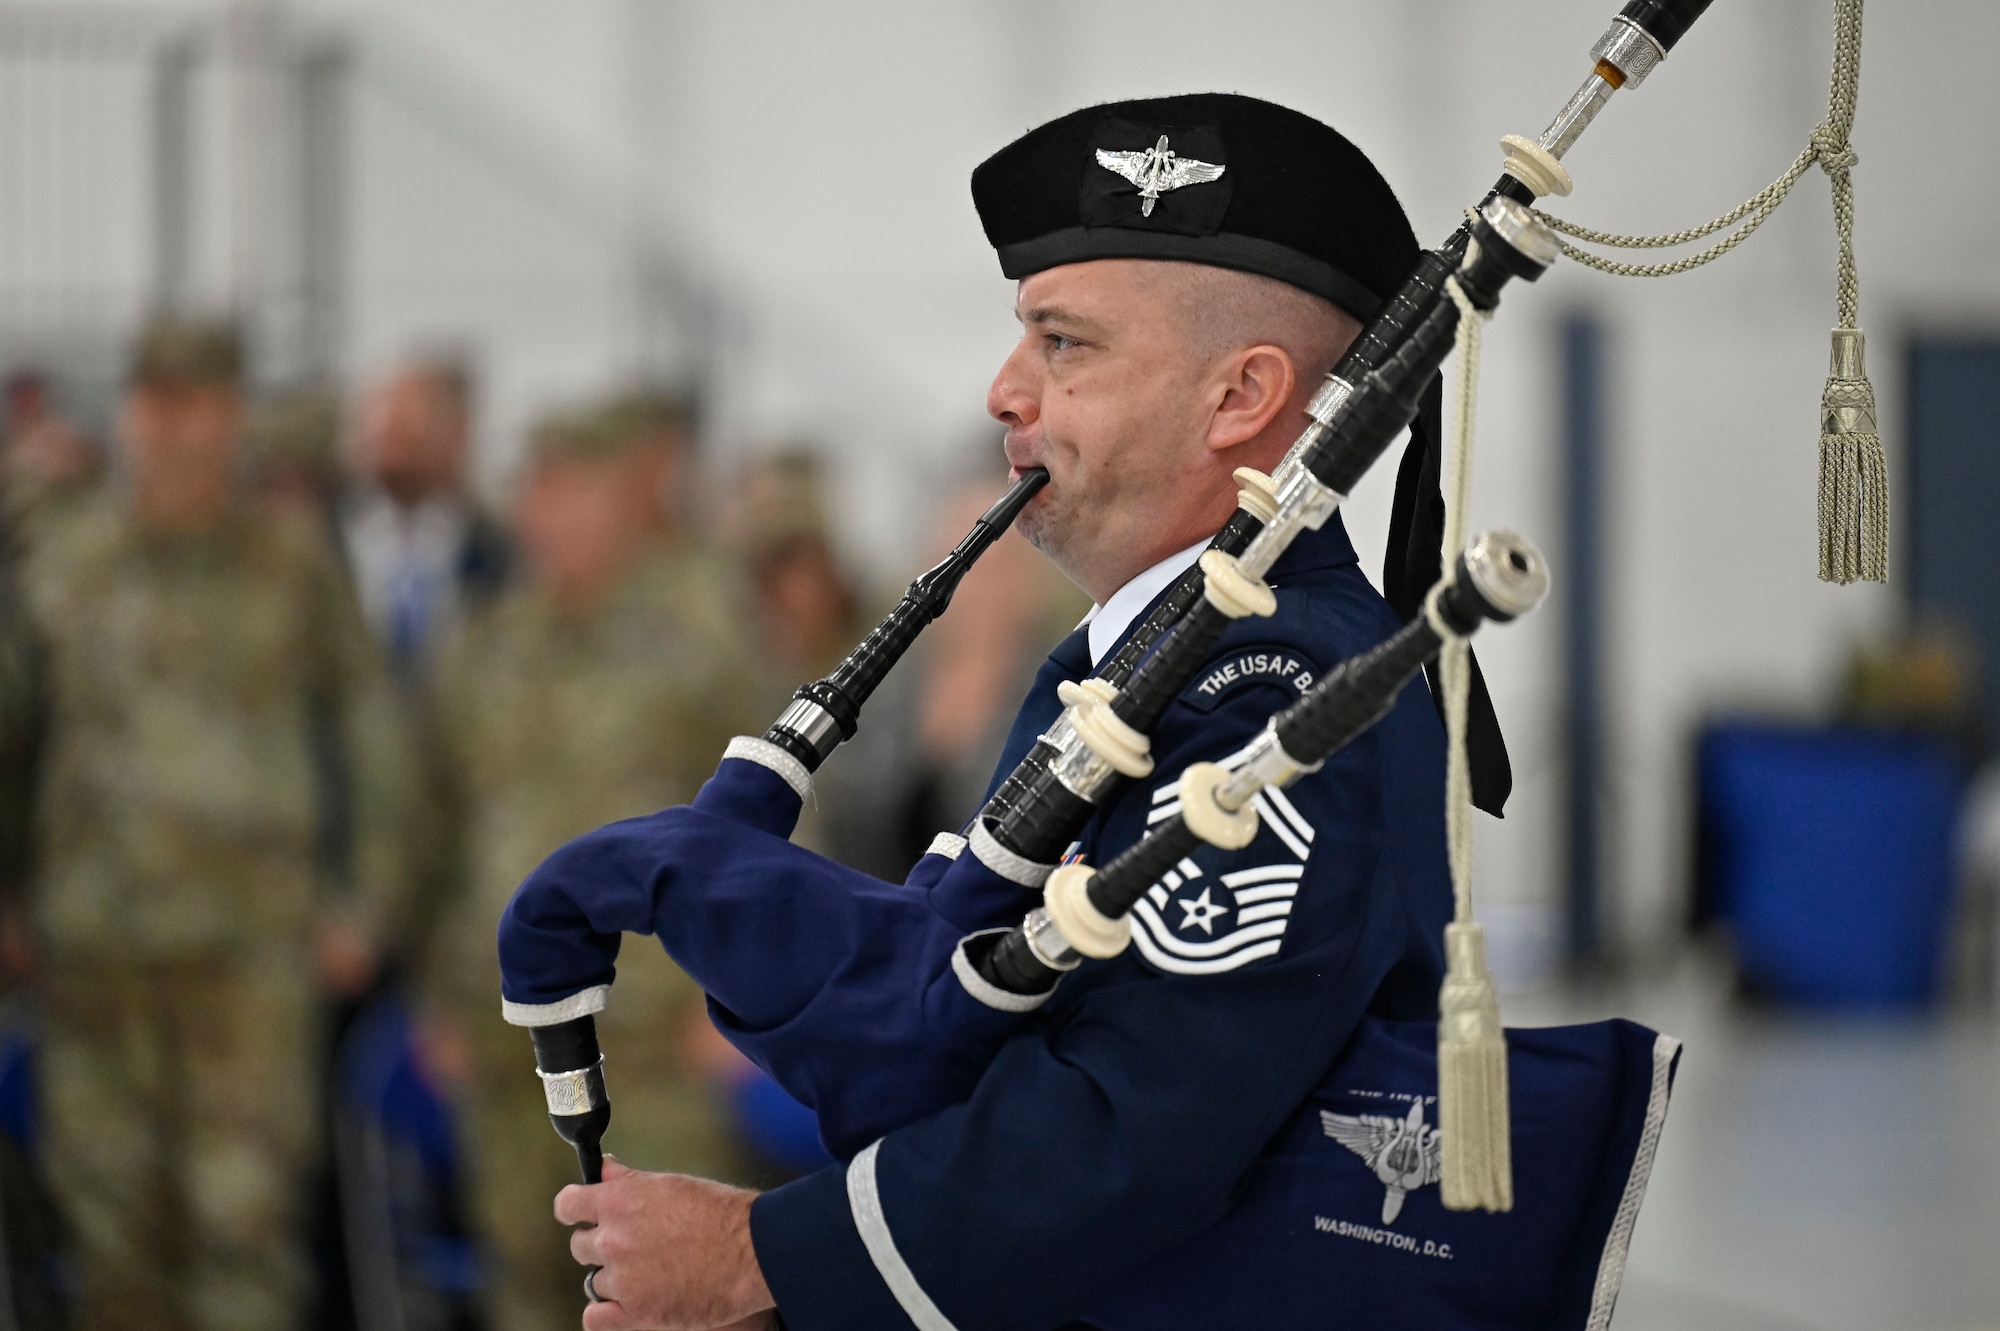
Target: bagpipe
(877, 1004)
(714, 881)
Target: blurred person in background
(43, 457)
(808, 607)
(659, 427)
(604, 687)
(421, 549)
(293, 443)
(176, 643)
(809, 616)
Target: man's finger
(586, 1244)
(577, 1204)
(613, 1169)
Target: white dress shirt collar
(1109, 621)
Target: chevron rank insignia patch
(1197, 921)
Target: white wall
(817, 157)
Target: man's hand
(675, 1252)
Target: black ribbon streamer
(1412, 565)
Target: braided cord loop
(1853, 474)
(1827, 146)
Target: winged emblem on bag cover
(1156, 171)
(1403, 1152)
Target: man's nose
(1013, 398)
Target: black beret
(1293, 199)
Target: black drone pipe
(1637, 40)
(1665, 21)
(1499, 578)
(1029, 782)
(1043, 812)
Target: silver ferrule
(811, 723)
(1304, 502)
(1082, 772)
(570, 1093)
(1508, 572)
(1265, 764)
(1576, 115)
(1629, 49)
(1326, 401)
(1321, 409)
(1047, 942)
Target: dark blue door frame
(1952, 511)
(1581, 573)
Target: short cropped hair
(1225, 310)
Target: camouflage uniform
(176, 681)
(292, 447)
(561, 725)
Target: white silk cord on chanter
(1474, 1131)
(1853, 474)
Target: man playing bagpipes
(1169, 1137)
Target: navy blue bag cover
(836, 983)
(850, 1026)
(1307, 1244)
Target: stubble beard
(1047, 524)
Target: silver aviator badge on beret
(1156, 171)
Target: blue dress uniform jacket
(1125, 1118)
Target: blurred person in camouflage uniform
(293, 443)
(42, 455)
(47, 465)
(809, 611)
(809, 615)
(167, 651)
(604, 688)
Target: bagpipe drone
(877, 1004)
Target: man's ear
(1255, 384)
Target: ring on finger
(590, 1285)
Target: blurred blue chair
(35, 1280)
(17, 1088)
(410, 1263)
(1829, 853)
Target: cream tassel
(1853, 481)
(1473, 1125)
(1472, 1079)
(1853, 478)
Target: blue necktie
(409, 613)
(1069, 661)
